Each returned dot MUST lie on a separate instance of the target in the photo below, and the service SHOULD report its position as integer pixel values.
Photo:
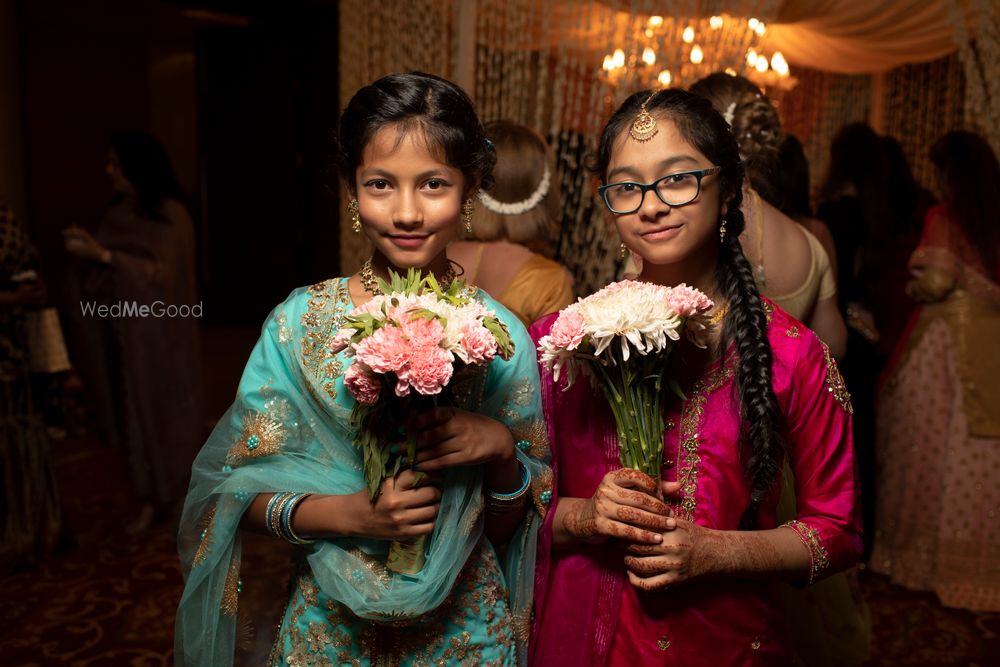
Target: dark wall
(247, 130)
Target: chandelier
(661, 52)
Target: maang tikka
(644, 126)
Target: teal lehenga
(289, 430)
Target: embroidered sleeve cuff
(818, 557)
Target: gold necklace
(370, 282)
(718, 315)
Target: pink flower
(364, 386)
(421, 332)
(567, 331)
(385, 351)
(687, 301)
(477, 345)
(429, 370)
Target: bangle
(278, 516)
(499, 503)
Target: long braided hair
(762, 431)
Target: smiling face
(409, 200)
(662, 234)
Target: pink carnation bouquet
(408, 343)
(622, 336)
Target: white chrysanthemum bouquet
(408, 342)
(623, 336)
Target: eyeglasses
(673, 190)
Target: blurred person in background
(29, 504)
(792, 195)
(142, 372)
(909, 203)
(790, 265)
(938, 422)
(511, 225)
(855, 206)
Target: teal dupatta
(289, 430)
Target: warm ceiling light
(730, 71)
(664, 78)
(618, 60)
(688, 35)
(760, 29)
(655, 21)
(779, 64)
(753, 23)
(715, 22)
(648, 56)
(761, 65)
(751, 57)
(609, 64)
(696, 55)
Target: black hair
(857, 161)
(145, 165)
(792, 179)
(970, 177)
(907, 201)
(435, 106)
(746, 322)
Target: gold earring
(468, 208)
(352, 206)
(722, 231)
(623, 252)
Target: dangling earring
(623, 252)
(468, 208)
(722, 231)
(352, 206)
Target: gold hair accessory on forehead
(644, 126)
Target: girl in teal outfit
(412, 154)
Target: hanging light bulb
(618, 60)
(609, 63)
(655, 21)
(753, 23)
(648, 56)
(761, 65)
(664, 78)
(730, 71)
(779, 64)
(751, 57)
(760, 29)
(688, 35)
(715, 22)
(696, 55)
(649, 32)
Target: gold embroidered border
(541, 490)
(535, 435)
(818, 558)
(231, 591)
(207, 537)
(792, 332)
(691, 415)
(262, 436)
(326, 309)
(835, 382)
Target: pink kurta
(586, 612)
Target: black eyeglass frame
(646, 187)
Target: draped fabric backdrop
(912, 68)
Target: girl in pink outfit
(683, 570)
